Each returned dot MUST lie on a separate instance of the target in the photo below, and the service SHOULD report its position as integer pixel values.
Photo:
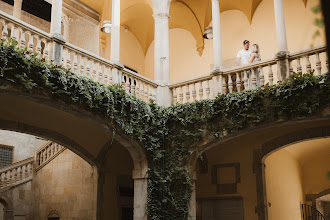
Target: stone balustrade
(46, 153)
(16, 173)
(208, 86)
(247, 77)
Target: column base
(283, 70)
(163, 96)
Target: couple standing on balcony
(247, 56)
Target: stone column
(17, 8)
(282, 47)
(162, 52)
(192, 203)
(217, 49)
(140, 194)
(55, 30)
(115, 32)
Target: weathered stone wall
(68, 184)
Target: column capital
(140, 174)
(161, 8)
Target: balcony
(208, 86)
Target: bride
(255, 57)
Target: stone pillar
(17, 8)
(280, 26)
(217, 48)
(162, 52)
(140, 194)
(192, 203)
(115, 32)
(55, 30)
(282, 46)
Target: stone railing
(208, 86)
(247, 77)
(76, 59)
(16, 173)
(47, 153)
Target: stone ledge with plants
(170, 135)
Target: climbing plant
(170, 135)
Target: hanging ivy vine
(170, 135)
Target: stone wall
(68, 184)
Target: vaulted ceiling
(191, 15)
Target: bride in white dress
(255, 56)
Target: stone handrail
(16, 172)
(27, 36)
(242, 78)
(78, 60)
(47, 153)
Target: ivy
(170, 135)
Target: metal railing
(310, 213)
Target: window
(6, 155)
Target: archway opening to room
(295, 177)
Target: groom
(243, 56)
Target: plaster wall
(24, 145)
(284, 186)
(67, 184)
(246, 189)
(314, 173)
(185, 61)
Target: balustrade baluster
(22, 41)
(246, 81)
(46, 50)
(262, 77)
(230, 84)
(9, 177)
(137, 89)
(238, 82)
(187, 93)
(128, 85)
(142, 90)
(88, 69)
(153, 94)
(106, 75)
(150, 93)
(308, 65)
(133, 86)
(14, 33)
(30, 43)
(24, 171)
(270, 74)
(100, 78)
(194, 94)
(254, 78)
(38, 46)
(181, 95)
(175, 98)
(110, 74)
(14, 173)
(81, 66)
(146, 95)
(290, 68)
(94, 66)
(207, 89)
(201, 91)
(299, 67)
(3, 179)
(75, 63)
(5, 32)
(68, 60)
(318, 64)
(19, 173)
(224, 85)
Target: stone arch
(8, 208)
(272, 146)
(85, 133)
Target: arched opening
(293, 174)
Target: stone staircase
(22, 171)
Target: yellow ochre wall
(283, 186)
(185, 61)
(315, 174)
